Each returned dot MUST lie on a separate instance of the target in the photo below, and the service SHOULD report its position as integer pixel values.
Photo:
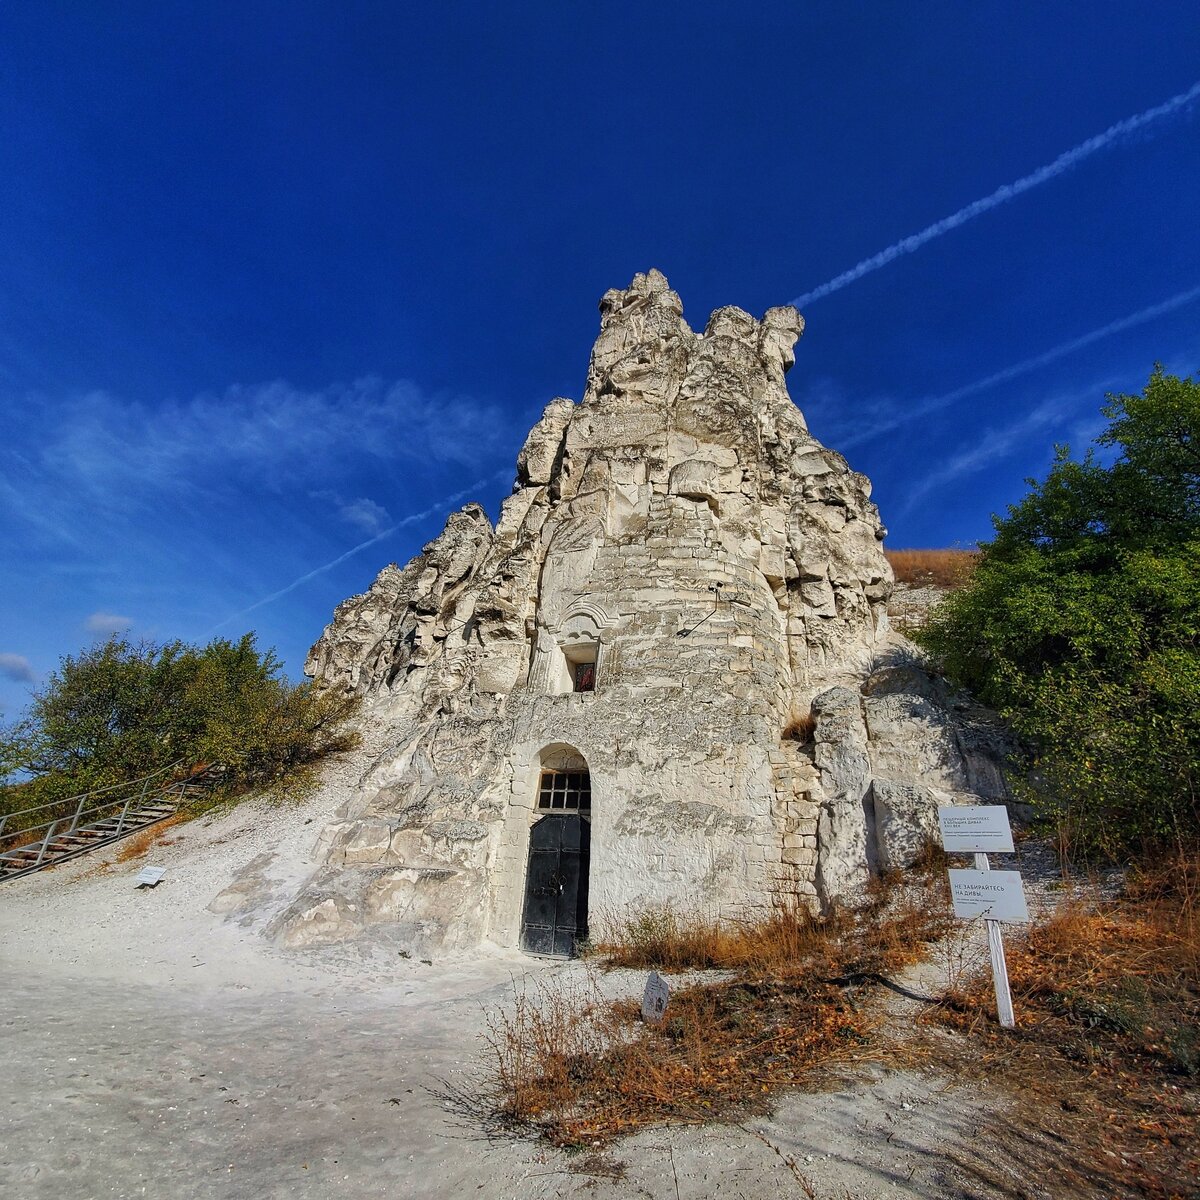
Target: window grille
(565, 791)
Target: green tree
(1081, 623)
(120, 710)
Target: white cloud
(365, 515)
(109, 453)
(272, 430)
(107, 623)
(993, 445)
(16, 667)
(874, 419)
(442, 507)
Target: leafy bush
(1081, 623)
(120, 710)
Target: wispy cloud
(885, 417)
(366, 514)
(107, 623)
(1009, 191)
(109, 452)
(363, 513)
(442, 506)
(16, 668)
(990, 447)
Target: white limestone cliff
(681, 528)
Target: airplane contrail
(1009, 191)
(411, 519)
(931, 404)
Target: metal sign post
(995, 896)
(1004, 1006)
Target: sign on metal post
(655, 998)
(995, 896)
(972, 828)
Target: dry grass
(799, 727)
(137, 844)
(932, 568)
(581, 1069)
(1107, 997)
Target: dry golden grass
(932, 568)
(1107, 998)
(581, 1069)
(799, 727)
(137, 844)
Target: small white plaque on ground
(994, 895)
(150, 876)
(981, 828)
(655, 997)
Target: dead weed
(137, 844)
(1107, 997)
(932, 568)
(581, 1069)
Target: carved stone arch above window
(586, 619)
(579, 654)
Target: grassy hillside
(932, 568)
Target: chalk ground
(152, 1048)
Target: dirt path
(152, 1048)
(126, 1091)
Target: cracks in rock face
(684, 467)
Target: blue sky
(281, 279)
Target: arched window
(576, 662)
(565, 791)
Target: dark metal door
(556, 886)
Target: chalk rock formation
(681, 570)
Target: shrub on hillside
(120, 710)
(1081, 623)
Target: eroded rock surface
(682, 533)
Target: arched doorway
(555, 915)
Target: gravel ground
(153, 1048)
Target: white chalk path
(152, 1048)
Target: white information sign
(655, 997)
(993, 895)
(151, 876)
(979, 828)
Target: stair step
(138, 811)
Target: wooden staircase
(83, 823)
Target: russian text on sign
(994, 895)
(976, 828)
